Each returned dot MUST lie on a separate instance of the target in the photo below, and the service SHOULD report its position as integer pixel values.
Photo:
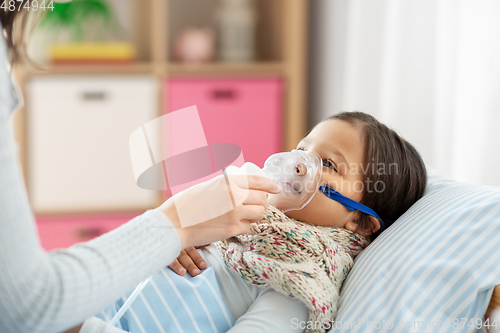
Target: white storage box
(78, 131)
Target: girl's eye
(300, 149)
(330, 165)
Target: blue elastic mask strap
(349, 203)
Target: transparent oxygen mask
(299, 172)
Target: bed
(437, 265)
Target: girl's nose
(300, 169)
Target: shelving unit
(280, 45)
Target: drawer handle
(224, 94)
(85, 233)
(90, 96)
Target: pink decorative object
(195, 45)
(246, 112)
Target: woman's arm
(52, 292)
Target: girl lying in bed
(286, 274)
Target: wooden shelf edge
(214, 68)
(167, 69)
(89, 213)
(131, 68)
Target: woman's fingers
(252, 212)
(222, 222)
(255, 182)
(256, 198)
(251, 190)
(263, 184)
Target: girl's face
(342, 150)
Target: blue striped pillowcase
(436, 266)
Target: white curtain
(430, 69)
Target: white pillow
(436, 266)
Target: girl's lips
(289, 185)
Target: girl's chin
(296, 214)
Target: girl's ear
(374, 223)
(374, 226)
(351, 226)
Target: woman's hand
(213, 198)
(189, 260)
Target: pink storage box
(246, 112)
(62, 232)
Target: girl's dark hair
(394, 173)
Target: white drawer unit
(78, 130)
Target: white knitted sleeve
(51, 292)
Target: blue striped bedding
(434, 270)
(173, 303)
